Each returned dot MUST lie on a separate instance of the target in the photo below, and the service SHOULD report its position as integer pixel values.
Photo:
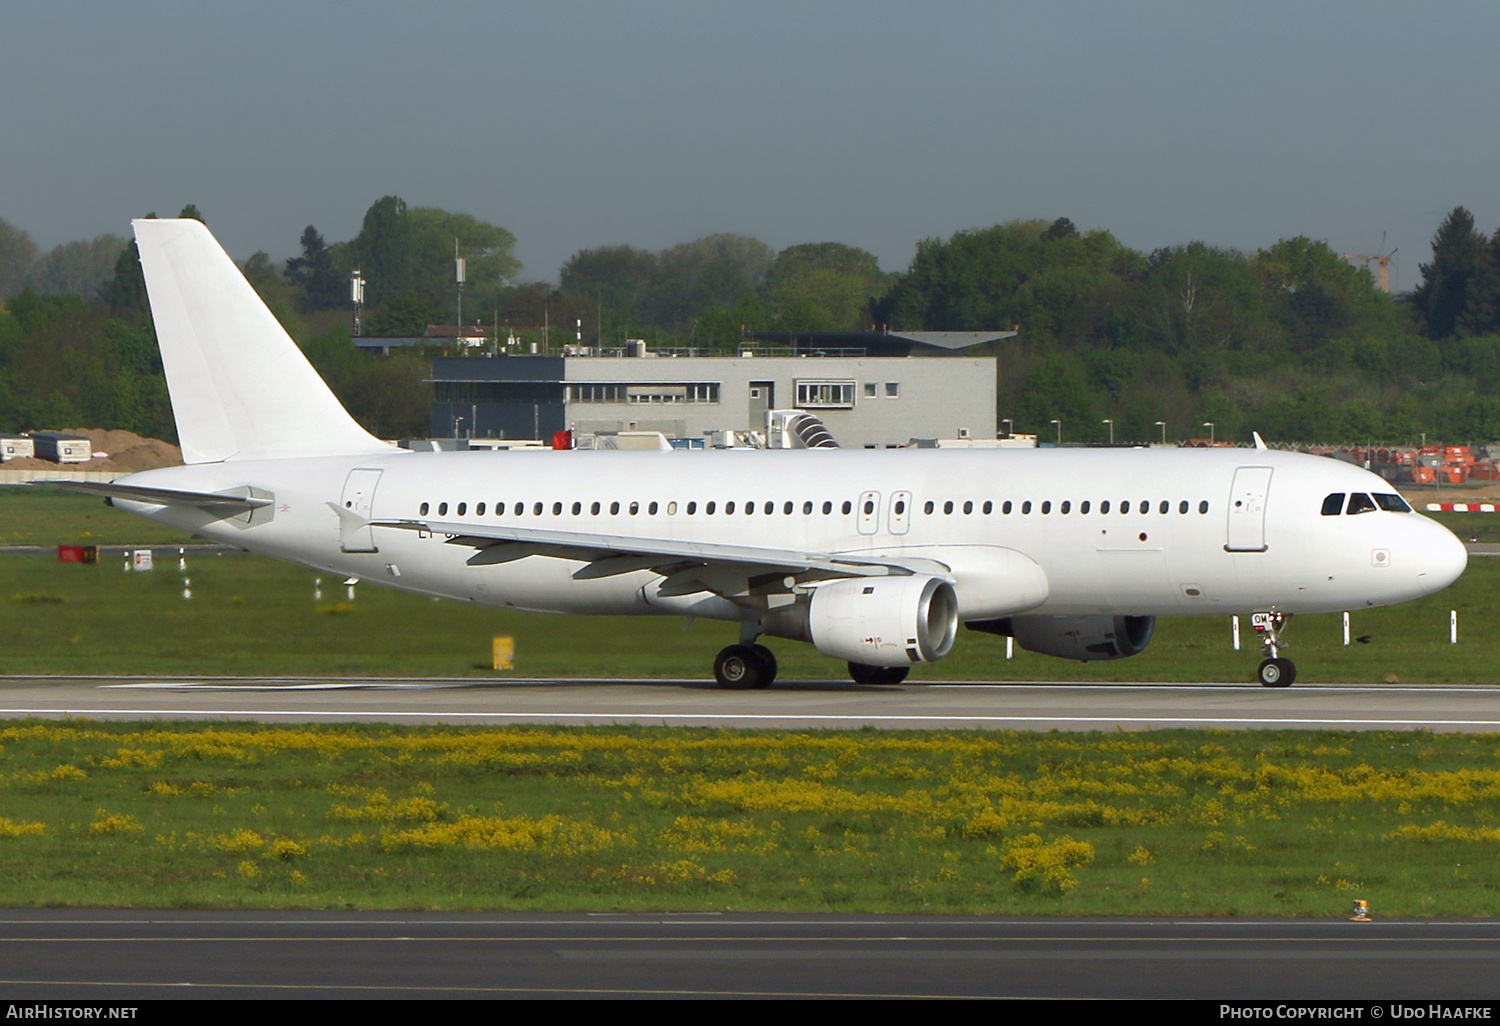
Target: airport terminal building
(872, 389)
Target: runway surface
(123, 956)
(1012, 706)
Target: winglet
(1260, 443)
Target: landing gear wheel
(739, 668)
(767, 665)
(1277, 673)
(862, 674)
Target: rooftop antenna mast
(1382, 260)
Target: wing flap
(608, 555)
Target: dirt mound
(127, 452)
(148, 455)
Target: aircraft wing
(690, 566)
(217, 501)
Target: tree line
(1290, 340)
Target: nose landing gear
(1275, 672)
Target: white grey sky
(586, 123)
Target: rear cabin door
(1247, 510)
(358, 499)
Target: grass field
(1167, 823)
(254, 616)
(46, 516)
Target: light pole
(1210, 425)
(1163, 425)
(1111, 430)
(356, 295)
(1059, 430)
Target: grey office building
(871, 389)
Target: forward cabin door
(1247, 510)
(358, 499)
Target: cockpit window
(1359, 502)
(1392, 503)
(1333, 505)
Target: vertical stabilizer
(240, 387)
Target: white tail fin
(240, 387)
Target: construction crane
(1382, 259)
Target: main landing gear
(742, 667)
(862, 674)
(1275, 672)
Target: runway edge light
(1361, 912)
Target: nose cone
(1440, 557)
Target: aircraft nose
(1442, 559)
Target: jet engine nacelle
(1076, 637)
(884, 621)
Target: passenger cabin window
(948, 506)
(1083, 507)
(1065, 507)
(728, 508)
(1164, 507)
(536, 509)
(423, 510)
(557, 509)
(463, 507)
(442, 509)
(1005, 507)
(577, 508)
(1333, 505)
(479, 510)
(1359, 502)
(1104, 506)
(1026, 506)
(1203, 506)
(708, 510)
(594, 509)
(614, 509)
(1047, 506)
(848, 507)
(1391, 503)
(989, 507)
(635, 507)
(827, 508)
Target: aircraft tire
(1277, 673)
(739, 668)
(863, 674)
(767, 664)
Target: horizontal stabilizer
(164, 496)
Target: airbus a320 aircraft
(875, 557)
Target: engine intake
(884, 621)
(1086, 638)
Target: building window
(645, 393)
(871, 389)
(825, 394)
(893, 390)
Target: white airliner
(875, 557)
